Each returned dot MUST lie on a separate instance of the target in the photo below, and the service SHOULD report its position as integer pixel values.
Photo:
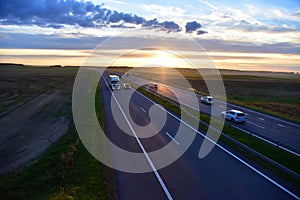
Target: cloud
(244, 25)
(58, 13)
(170, 26)
(167, 12)
(192, 26)
(84, 41)
(200, 32)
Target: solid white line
(228, 104)
(164, 187)
(170, 136)
(255, 125)
(261, 138)
(272, 143)
(297, 154)
(143, 109)
(262, 119)
(234, 156)
(280, 125)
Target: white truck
(114, 82)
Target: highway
(220, 175)
(276, 130)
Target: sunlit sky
(235, 34)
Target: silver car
(234, 116)
(207, 100)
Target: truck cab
(114, 82)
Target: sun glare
(162, 58)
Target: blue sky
(251, 35)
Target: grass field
(66, 170)
(273, 93)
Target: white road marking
(262, 119)
(170, 136)
(281, 125)
(227, 151)
(163, 185)
(142, 109)
(203, 135)
(138, 80)
(255, 125)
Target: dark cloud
(168, 26)
(82, 41)
(192, 26)
(151, 23)
(121, 26)
(57, 13)
(201, 32)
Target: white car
(207, 100)
(234, 115)
(126, 86)
(153, 86)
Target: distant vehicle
(126, 86)
(114, 82)
(207, 100)
(153, 86)
(235, 116)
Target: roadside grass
(278, 107)
(65, 171)
(278, 155)
(51, 178)
(279, 97)
(277, 94)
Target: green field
(269, 92)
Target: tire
(232, 120)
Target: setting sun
(164, 59)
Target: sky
(232, 34)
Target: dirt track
(34, 110)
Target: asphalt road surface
(277, 130)
(219, 175)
